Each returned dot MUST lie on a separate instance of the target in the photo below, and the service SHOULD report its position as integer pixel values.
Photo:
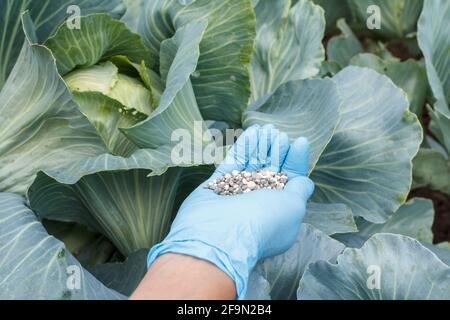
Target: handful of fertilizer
(237, 182)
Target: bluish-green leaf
(221, 82)
(124, 277)
(100, 37)
(34, 265)
(258, 287)
(330, 218)
(343, 47)
(178, 107)
(284, 272)
(432, 169)
(406, 269)
(334, 10)
(134, 10)
(440, 124)
(367, 165)
(413, 219)
(131, 200)
(442, 250)
(156, 160)
(41, 127)
(434, 41)
(129, 208)
(308, 108)
(47, 15)
(408, 75)
(288, 47)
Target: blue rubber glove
(234, 232)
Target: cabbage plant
(87, 178)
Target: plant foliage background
(86, 117)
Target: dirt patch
(441, 201)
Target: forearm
(181, 277)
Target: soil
(401, 51)
(441, 201)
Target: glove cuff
(238, 271)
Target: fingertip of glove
(284, 140)
(301, 144)
(304, 186)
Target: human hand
(234, 232)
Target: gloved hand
(234, 232)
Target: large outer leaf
(367, 164)
(434, 41)
(48, 15)
(442, 250)
(178, 107)
(100, 37)
(129, 200)
(123, 277)
(134, 10)
(284, 272)
(398, 17)
(129, 208)
(221, 83)
(330, 218)
(278, 277)
(271, 13)
(287, 48)
(408, 271)
(413, 219)
(157, 160)
(432, 169)
(408, 75)
(33, 265)
(308, 108)
(40, 126)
